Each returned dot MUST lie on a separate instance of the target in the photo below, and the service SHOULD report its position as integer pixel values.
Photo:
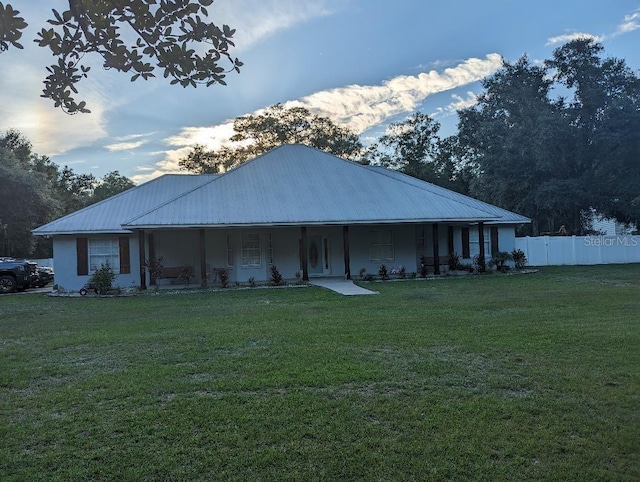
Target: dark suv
(17, 274)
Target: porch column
(203, 259)
(303, 253)
(345, 243)
(141, 251)
(450, 240)
(436, 250)
(481, 263)
(152, 256)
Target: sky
(361, 63)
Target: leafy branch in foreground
(166, 35)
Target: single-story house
(295, 207)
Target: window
(250, 250)
(231, 255)
(103, 251)
(380, 246)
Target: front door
(318, 256)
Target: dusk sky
(362, 63)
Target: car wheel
(83, 292)
(7, 284)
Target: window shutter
(466, 250)
(125, 264)
(82, 256)
(494, 240)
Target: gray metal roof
(289, 185)
(107, 216)
(505, 217)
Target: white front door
(318, 257)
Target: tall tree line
(34, 190)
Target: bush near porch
(502, 377)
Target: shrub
(362, 273)
(276, 277)
(156, 268)
(519, 258)
(499, 260)
(423, 267)
(102, 279)
(382, 272)
(186, 274)
(402, 272)
(454, 262)
(223, 274)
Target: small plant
(479, 265)
(499, 260)
(454, 262)
(186, 274)
(402, 272)
(519, 258)
(422, 269)
(382, 272)
(362, 273)
(413, 275)
(368, 277)
(156, 268)
(223, 274)
(298, 276)
(276, 277)
(102, 279)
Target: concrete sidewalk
(342, 286)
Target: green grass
(532, 377)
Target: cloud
(255, 20)
(631, 22)
(563, 39)
(129, 142)
(459, 103)
(362, 107)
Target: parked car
(45, 276)
(17, 274)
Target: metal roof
(108, 215)
(505, 217)
(289, 185)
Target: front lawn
(530, 377)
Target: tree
(414, 147)
(255, 134)
(604, 113)
(111, 184)
(26, 199)
(553, 159)
(166, 35)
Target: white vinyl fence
(575, 250)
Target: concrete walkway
(342, 286)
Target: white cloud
(631, 22)
(363, 107)
(562, 39)
(458, 103)
(255, 20)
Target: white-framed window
(231, 254)
(103, 251)
(381, 245)
(251, 250)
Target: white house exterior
(296, 207)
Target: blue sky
(362, 63)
